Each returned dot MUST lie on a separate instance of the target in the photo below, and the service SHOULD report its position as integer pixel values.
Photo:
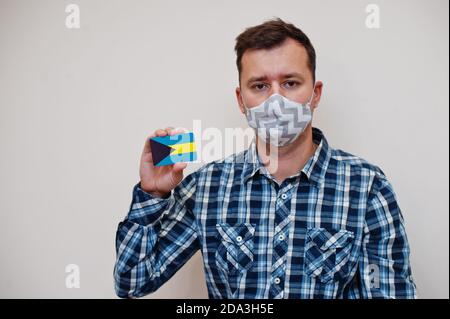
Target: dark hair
(271, 34)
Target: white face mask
(278, 120)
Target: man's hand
(159, 181)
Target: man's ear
(239, 100)
(317, 94)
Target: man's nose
(275, 89)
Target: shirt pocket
(235, 250)
(327, 253)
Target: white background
(77, 104)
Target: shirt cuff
(145, 208)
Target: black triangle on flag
(159, 151)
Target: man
(290, 217)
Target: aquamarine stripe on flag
(183, 157)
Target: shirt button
(283, 196)
(281, 237)
(239, 239)
(277, 281)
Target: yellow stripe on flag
(182, 148)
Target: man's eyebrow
(256, 79)
(293, 75)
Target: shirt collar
(314, 169)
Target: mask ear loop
(243, 104)
(312, 96)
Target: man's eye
(259, 87)
(290, 84)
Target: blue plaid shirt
(334, 230)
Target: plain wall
(77, 104)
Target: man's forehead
(289, 58)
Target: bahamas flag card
(167, 150)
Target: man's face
(283, 70)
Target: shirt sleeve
(156, 238)
(384, 270)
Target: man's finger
(169, 129)
(178, 167)
(178, 130)
(161, 132)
